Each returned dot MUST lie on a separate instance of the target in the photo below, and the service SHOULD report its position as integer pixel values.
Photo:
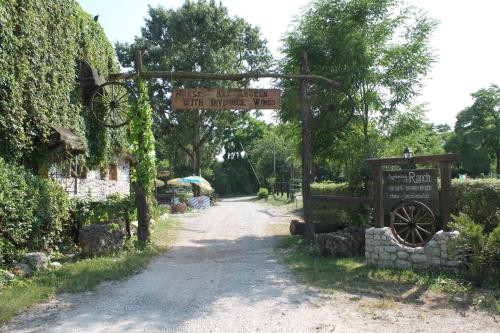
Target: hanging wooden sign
(231, 99)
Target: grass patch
(353, 276)
(278, 200)
(84, 274)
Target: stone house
(80, 181)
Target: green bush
(263, 193)
(115, 209)
(33, 213)
(51, 226)
(482, 250)
(480, 199)
(334, 213)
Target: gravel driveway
(222, 275)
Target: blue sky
(466, 41)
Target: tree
(410, 129)
(477, 129)
(380, 53)
(234, 175)
(199, 36)
(273, 154)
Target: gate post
(444, 170)
(378, 202)
(305, 116)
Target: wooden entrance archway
(305, 113)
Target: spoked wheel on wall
(412, 223)
(111, 104)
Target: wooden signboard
(218, 99)
(419, 185)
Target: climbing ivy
(144, 170)
(143, 141)
(42, 43)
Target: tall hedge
(42, 43)
(34, 213)
(480, 199)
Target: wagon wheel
(111, 104)
(412, 223)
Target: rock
(180, 208)
(23, 270)
(55, 265)
(37, 261)
(98, 238)
(6, 276)
(347, 242)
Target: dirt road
(222, 275)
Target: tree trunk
(143, 216)
(196, 145)
(197, 159)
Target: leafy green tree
(273, 155)
(477, 132)
(377, 49)
(410, 129)
(234, 175)
(198, 36)
(380, 53)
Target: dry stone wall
(383, 250)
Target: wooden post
(141, 199)
(305, 116)
(444, 169)
(138, 62)
(378, 199)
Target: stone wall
(383, 250)
(96, 186)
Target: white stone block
(402, 264)
(402, 255)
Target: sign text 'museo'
(213, 99)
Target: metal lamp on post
(408, 156)
(407, 153)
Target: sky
(466, 41)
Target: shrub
(116, 208)
(33, 213)
(480, 199)
(482, 250)
(344, 214)
(263, 193)
(183, 197)
(51, 226)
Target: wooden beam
(342, 199)
(305, 116)
(444, 169)
(181, 75)
(414, 160)
(378, 196)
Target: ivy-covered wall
(42, 43)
